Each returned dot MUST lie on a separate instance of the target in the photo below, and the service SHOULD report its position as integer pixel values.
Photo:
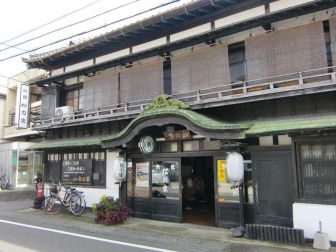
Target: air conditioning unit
(64, 112)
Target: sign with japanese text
(119, 169)
(22, 106)
(77, 171)
(177, 135)
(221, 173)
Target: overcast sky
(18, 17)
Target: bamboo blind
(286, 51)
(100, 91)
(200, 69)
(141, 82)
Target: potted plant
(110, 211)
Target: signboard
(177, 135)
(22, 106)
(146, 144)
(77, 171)
(221, 173)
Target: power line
(67, 26)
(13, 46)
(50, 22)
(88, 31)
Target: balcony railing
(321, 79)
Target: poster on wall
(77, 171)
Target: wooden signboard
(177, 135)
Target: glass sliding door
(154, 188)
(138, 187)
(227, 201)
(166, 190)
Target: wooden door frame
(215, 158)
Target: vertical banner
(221, 172)
(221, 180)
(22, 106)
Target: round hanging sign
(146, 144)
(119, 169)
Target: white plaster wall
(22, 145)
(284, 4)
(113, 55)
(266, 140)
(190, 32)
(57, 71)
(241, 16)
(304, 19)
(284, 140)
(92, 195)
(79, 65)
(307, 217)
(150, 44)
(241, 36)
(71, 81)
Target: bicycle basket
(53, 189)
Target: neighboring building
(19, 163)
(2, 117)
(258, 77)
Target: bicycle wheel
(77, 204)
(51, 205)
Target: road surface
(19, 237)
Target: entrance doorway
(198, 204)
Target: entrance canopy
(168, 115)
(69, 143)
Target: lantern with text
(235, 168)
(119, 169)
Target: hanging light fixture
(235, 168)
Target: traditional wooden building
(255, 77)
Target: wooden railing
(322, 77)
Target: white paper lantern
(119, 169)
(235, 168)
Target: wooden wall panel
(100, 91)
(141, 82)
(200, 69)
(286, 51)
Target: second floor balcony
(273, 87)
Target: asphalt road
(23, 229)
(17, 237)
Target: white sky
(17, 17)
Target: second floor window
(237, 62)
(74, 99)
